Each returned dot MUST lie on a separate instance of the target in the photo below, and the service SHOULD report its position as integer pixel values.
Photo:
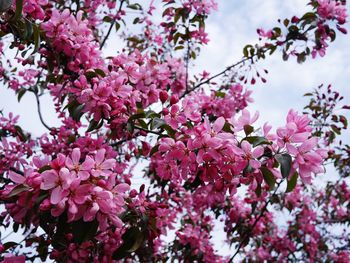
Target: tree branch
(188, 91)
(39, 111)
(111, 26)
(246, 237)
(148, 131)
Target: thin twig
(247, 235)
(215, 76)
(148, 131)
(39, 111)
(111, 26)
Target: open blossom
(72, 36)
(249, 155)
(59, 182)
(332, 9)
(102, 167)
(82, 170)
(243, 120)
(308, 160)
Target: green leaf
(90, 74)
(257, 140)
(285, 161)
(136, 20)
(15, 227)
(179, 47)
(154, 150)
(220, 94)
(151, 114)
(258, 190)
(117, 26)
(83, 231)
(248, 129)
(344, 121)
(132, 240)
(100, 72)
(20, 93)
(19, 8)
(107, 19)
(308, 94)
(227, 127)
(135, 6)
(94, 125)
(9, 244)
(246, 50)
(18, 190)
(292, 182)
(28, 29)
(20, 133)
(335, 129)
(44, 168)
(78, 112)
(308, 16)
(268, 177)
(136, 116)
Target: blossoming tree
(70, 191)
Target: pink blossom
(82, 170)
(59, 182)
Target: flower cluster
(222, 158)
(312, 40)
(72, 36)
(134, 79)
(82, 187)
(330, 9)
(34, 9)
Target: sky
(230, 29)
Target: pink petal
(88, 163)
(108, 164)
(65, 177)
(83, 175)
(292, 149)
(119, 200)
(246, 147)
(76, 155)
(105, 205)
(258, 151)
(219, 124)
(69, 163)
(50, 179)
(100, 156)
(300, 137)
(56, 195)
(17, 178)
(255, 164)
(122, 188)
(91, 212)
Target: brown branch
(207, 81)
(39, 112)
(247, 235)
(111, 26)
